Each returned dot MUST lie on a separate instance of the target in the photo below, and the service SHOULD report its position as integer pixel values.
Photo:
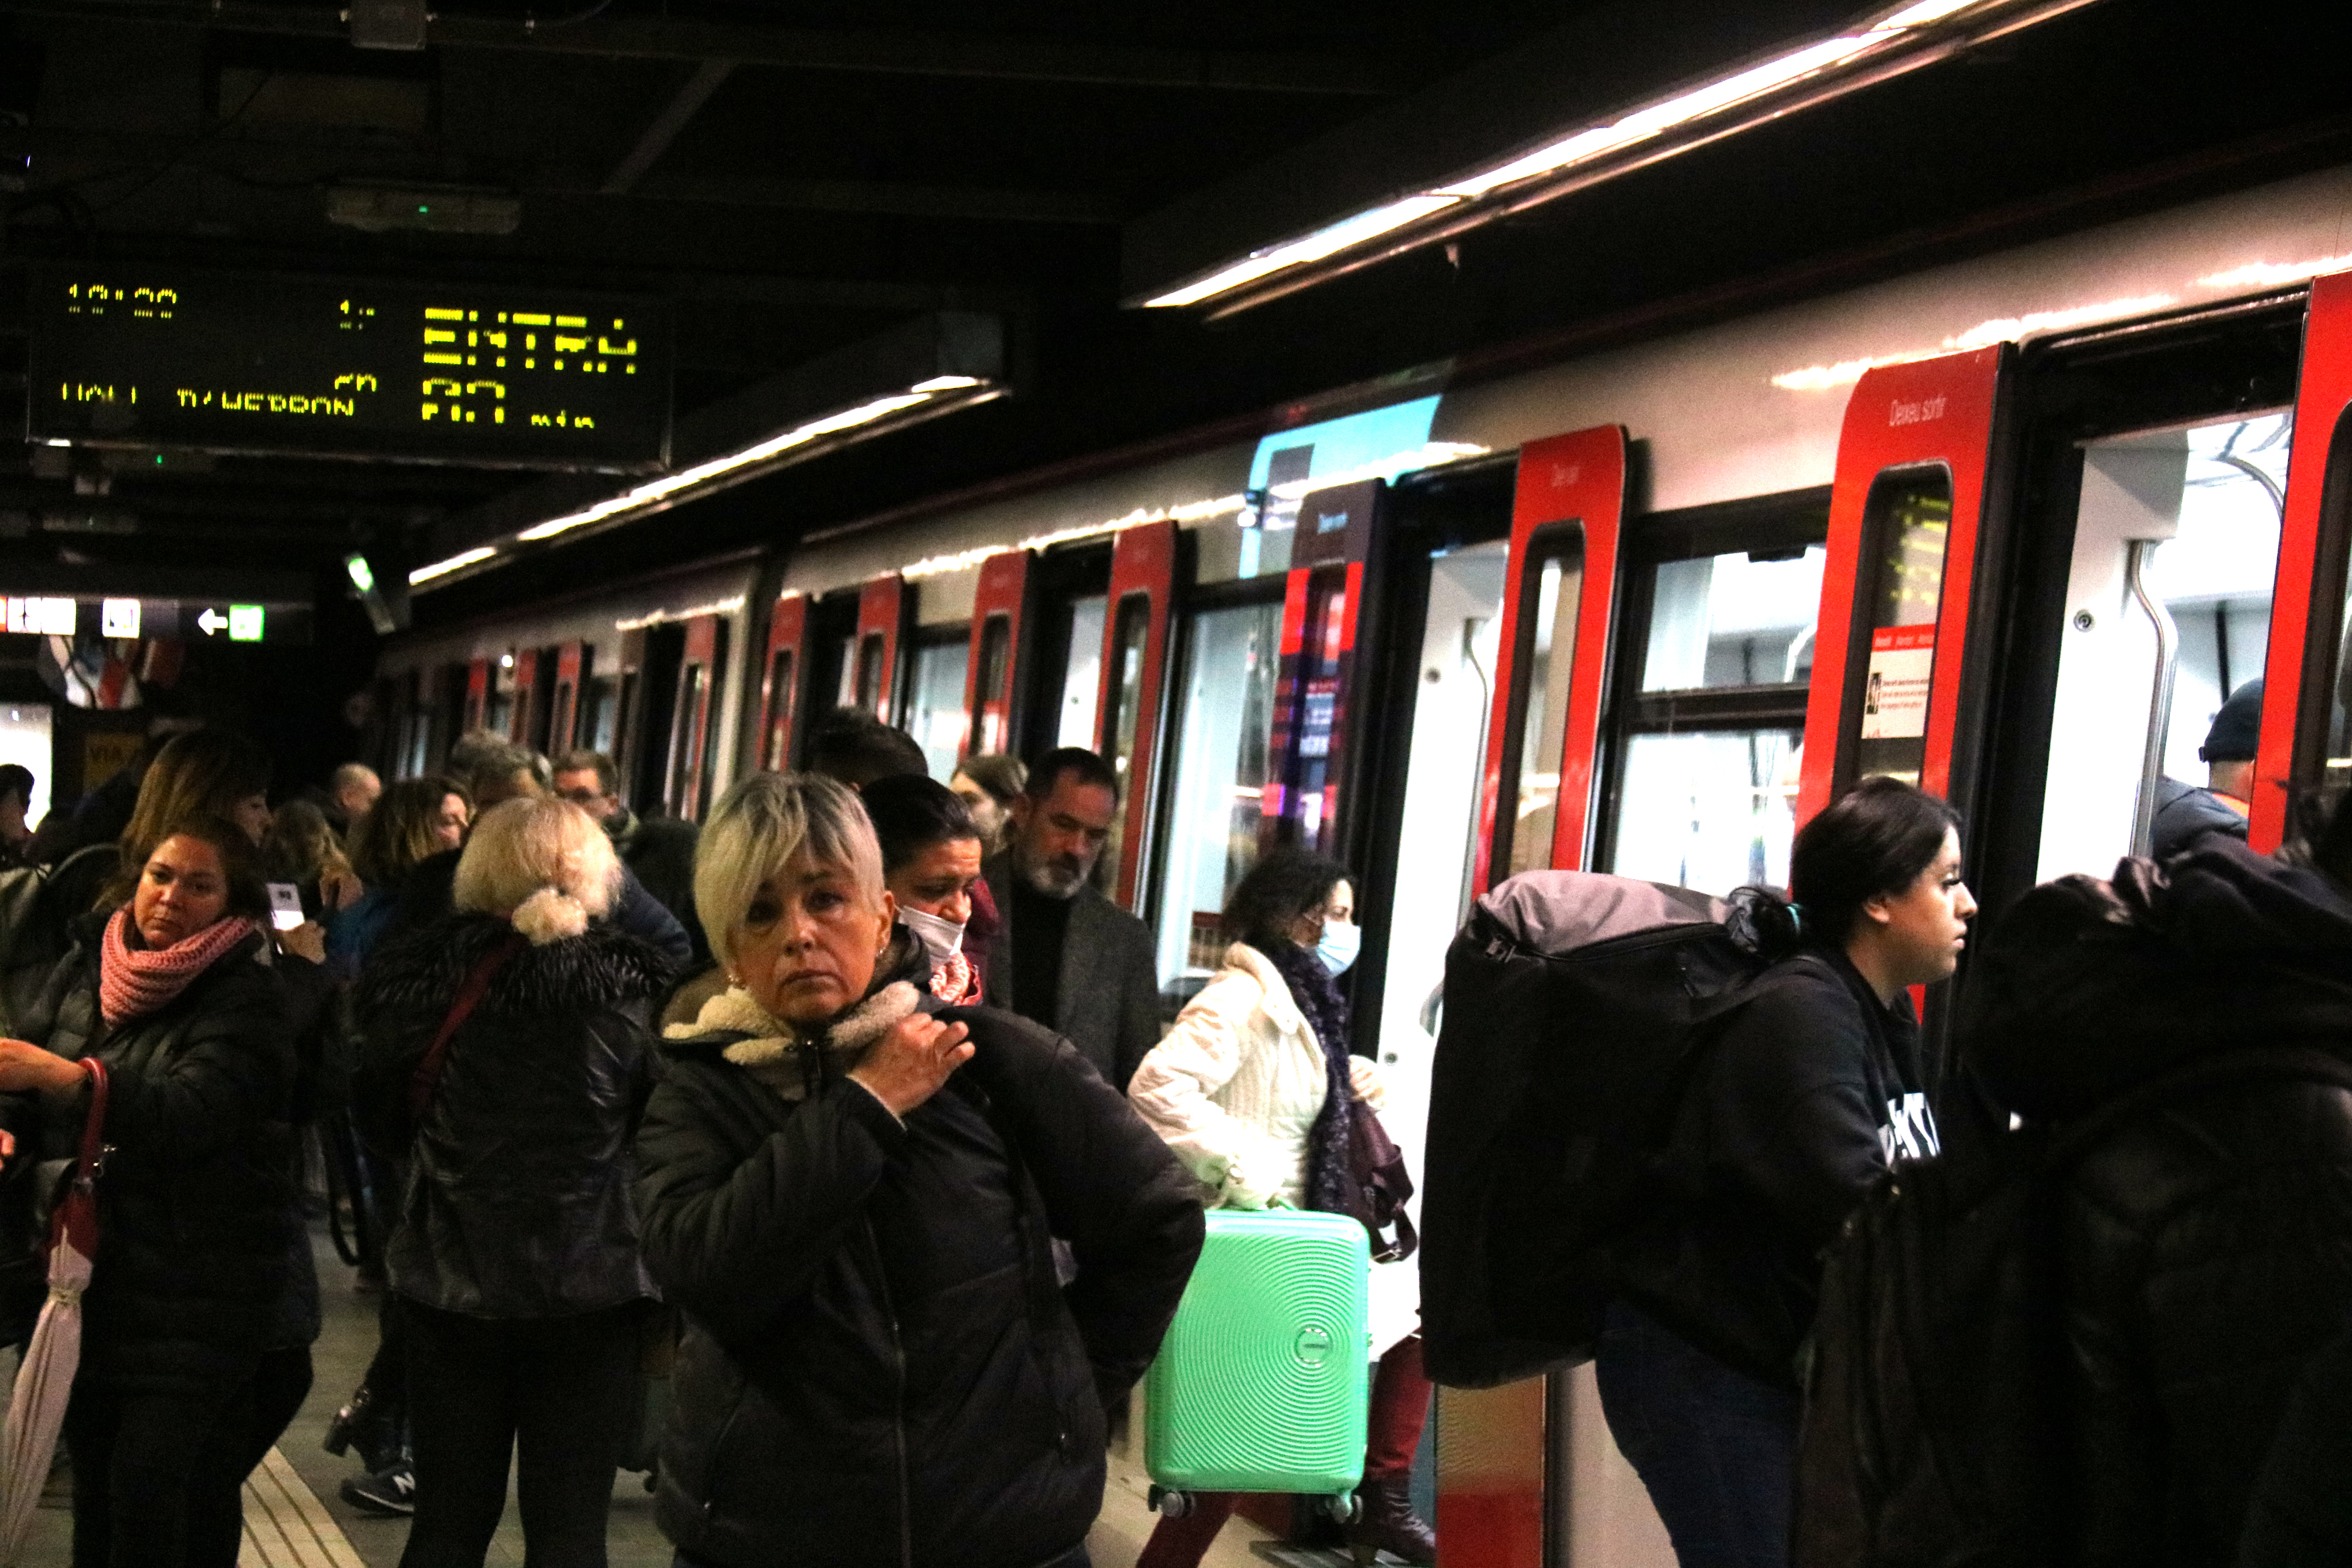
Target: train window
(1907, 518)
(868, 696)
(1222, 757)
(992, 694)
(1082, 672)
(686, 737)
(780, 712)
(1734, 620)
(604, 715)
(1130, 633)
(1552, 584)
(2198, 511)
(1709, 810)
(934, 715)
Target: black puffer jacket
(195, 1209)
(878, 1367)
(2207, 1245)
(518, 1202)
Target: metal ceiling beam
(707, 80)
(275, 164)
(875, 52)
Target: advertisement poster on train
(1894, 702)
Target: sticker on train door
(1901, 668)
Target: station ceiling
(795, 179)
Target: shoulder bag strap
(469, 996)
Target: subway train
(2011, 526)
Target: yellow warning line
(286, 1526)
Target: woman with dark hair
(192, 1360)
(1253, 1089)
(988, 784)
(1812, 1090)
(412, 821)
(930, 862)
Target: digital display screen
(214, 620)
(149, 355)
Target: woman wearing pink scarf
(195, 1201)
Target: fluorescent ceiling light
(463, 558)
(1588, 145)
(653, 491)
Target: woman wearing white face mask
(930, 858)
(1252, 1089)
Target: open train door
(2305, 757)
(882, 608)
(999, 619)
(1129, 707)
(1893, 668)
(1527, 1477)
(784, 674)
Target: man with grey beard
(1068, 957)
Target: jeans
(1716, 1448)
(559, 1387)
(152, 1473)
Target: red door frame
(526, 692)
(1142, 564)
(1936, 413)
(1337, 527)
(1579, 478)
(780, 711)
(882, 606)
(572, 662)
(478, 696)
(1003, 593)
(2303, 645)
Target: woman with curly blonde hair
(506, 1057)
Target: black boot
(363, 1423)
(1389, 1524)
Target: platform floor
(294, 1516)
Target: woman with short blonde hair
(505, 1053)
(849, 1187)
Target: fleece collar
(786, 1060)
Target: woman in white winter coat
(1253, 1089)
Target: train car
(2011, 526)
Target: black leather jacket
(2207, 1245)
(518, 1199)
(879, 1365)
(197, 1215)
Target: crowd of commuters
(853, 1108)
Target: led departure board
(153, 356)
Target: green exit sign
(245, 622)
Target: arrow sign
(211, 621)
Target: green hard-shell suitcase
(1262, 1383)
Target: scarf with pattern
(133, 981)
(1313, 987)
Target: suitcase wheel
(1169, 1505)
(1346, 1507)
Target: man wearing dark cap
(2185, 813)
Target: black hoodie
(2207, 1246)
(1793, 1112)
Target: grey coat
(1107, 1003)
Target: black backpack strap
(2292, 1063)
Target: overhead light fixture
(1872, 51)
(760, 454)
(457, 562)
(917, 371)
